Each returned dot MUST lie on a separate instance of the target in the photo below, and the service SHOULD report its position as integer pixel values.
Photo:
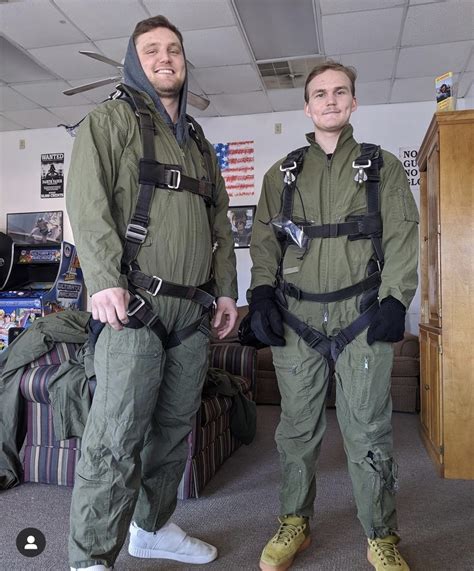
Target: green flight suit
(134, 447)
(327, 194)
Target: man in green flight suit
(152, 355)
(303, 302)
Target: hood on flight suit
(134, 76)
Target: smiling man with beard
(148, 208)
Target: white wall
(392, 126)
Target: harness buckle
(136, 233)
(289, 176)
(361, 175)
(155, 286)
(175, 179)
(137, 303)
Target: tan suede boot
(292, 536)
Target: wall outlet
(278, 128)
(22, 144)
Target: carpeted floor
(238, 509)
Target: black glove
(265, 318)
(389, 323)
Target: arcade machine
(36, 279)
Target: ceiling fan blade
(198, 101)
(92, 85)
(100, 57)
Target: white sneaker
(169, 542)
(92, 568)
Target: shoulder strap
(291, 166)
(371, 161)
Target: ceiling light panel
(278, 28)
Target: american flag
(236, 160)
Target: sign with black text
(408, 157)
(52, 175)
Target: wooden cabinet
(446, 160)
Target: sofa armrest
(235, 359)
(408, 347)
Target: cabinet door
(431, 389)
(433, 235)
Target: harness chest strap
(366, 226)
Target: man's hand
(110, 306)
(226, 316)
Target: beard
(168, 90)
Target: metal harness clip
(361, 176)
(175, 179)
(155, 286)
(289, 176)
(137, 303)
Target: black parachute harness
(153, 174)
(366, 226)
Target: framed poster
(241, 219)
(36, 227)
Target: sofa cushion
(405, 367)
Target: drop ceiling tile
(242, 104)
(194, 15)
(414, 89)
(439, 23)
(370, 66)
(434, 59)
(72, 115)
(286, 99)
(229, 79)
(48, 94)
(33, 118)
(219, 46)
(211, 111)
(339, 6)
(67, 62)
(362, 31)
(104, 19)
(36, 23)
(470, 65)
(114, 49)
(373, 92)
(6, 125)
(10, 100)
(465, 84)
(18, 66)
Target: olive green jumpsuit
(135, 443)
(327, 194)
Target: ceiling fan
(195, 100)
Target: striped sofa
(48, 460)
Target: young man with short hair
(325, 250)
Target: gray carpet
(237, 512)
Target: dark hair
(334, 65)
(155, 22)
